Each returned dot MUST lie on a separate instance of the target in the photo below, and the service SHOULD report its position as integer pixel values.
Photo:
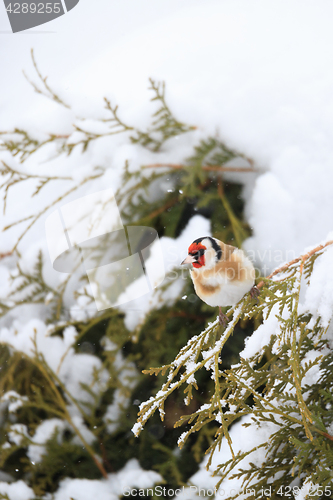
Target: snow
(257, 74)
(243, 439)
(84, 489)
(174, 251)
(17, 491)
(261, 336)
(131, 476)
(48, 428)
(308, 489)
(74, 369)
(43, 433)
(286, 128)
(127, 375)
(13, 400)
(319, 294)
(17, 432)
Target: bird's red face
(197, 252)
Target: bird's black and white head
(204, 253)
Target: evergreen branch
(164, 126)
(148, 408)
(93, 322)
(232, 463)
(272, 408)
(303, 258)
(15, 176)
(286, 410)
(61, 292)
(295, 361)
(37, 216)
(34, 279)
(26, 145)
(52, 378)
(15, 224)
(236, 226)
(275, 386)
(91, 136)
(208, 168)
(45, 90)
(217, 397)
(115, 121)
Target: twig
(48, 92)
(165, 207)
(212, 168)
(6, 254)
(236, 226)
(302, 258)
(45, 209)
(25, 175)
(46, 370)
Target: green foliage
(273, 387)
(164, 124)
(43, 396)
(287, 386)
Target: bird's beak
(189, 259)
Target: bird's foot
(223, 319)
(254, 292)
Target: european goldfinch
(221, 274)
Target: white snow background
(257, 73)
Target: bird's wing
(231, 264)
(227, 250)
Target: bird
(221, 273)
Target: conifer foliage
(57, 425)
(283, 387)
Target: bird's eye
(198, 254)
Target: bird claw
(254, 292)
(223, 319)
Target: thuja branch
(189, 352)
(236, 226)
(208, 168)
(52, 380)
(37, 216)
(21, 144)
(294, 261)
(57, 405)
(187, 359)
(15, 176)
(45, 88)
(84, 329)
(116, 122)
(273, 408)
(295, 360)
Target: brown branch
(4, 255)
(105, 458)
(160, 210)
(171, 203)
(184, 314)
(212, 168)
(303, 258)
(328, 436)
